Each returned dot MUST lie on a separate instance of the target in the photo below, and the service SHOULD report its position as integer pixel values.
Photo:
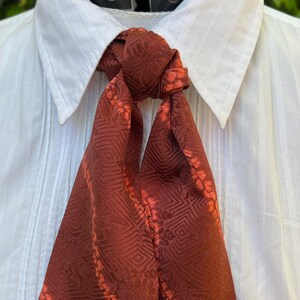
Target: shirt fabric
(244, 65)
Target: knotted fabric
(144, 232)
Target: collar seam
(244, 53)
(135, 14)
(45, 58)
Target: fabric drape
(149, 231)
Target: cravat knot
(150, 67)
(141, 232)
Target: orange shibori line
(96, 254)
(150, 220)
(205, 186)
(151, 201)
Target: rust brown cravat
(144, 233)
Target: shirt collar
(216, 40)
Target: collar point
(223, 122)
(63, 114)
(222, 117)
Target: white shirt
(244, 64)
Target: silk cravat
(141, 232)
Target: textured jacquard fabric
(141, 232)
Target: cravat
(141, 232)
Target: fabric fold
(141, 233)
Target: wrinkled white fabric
(244, 64)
